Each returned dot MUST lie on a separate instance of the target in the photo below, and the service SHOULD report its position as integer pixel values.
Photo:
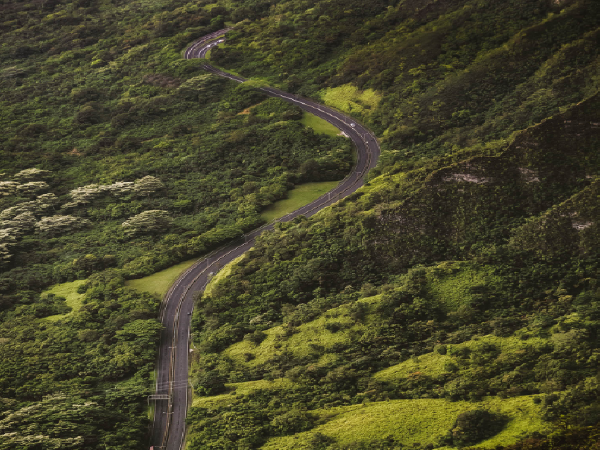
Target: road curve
(172, 388)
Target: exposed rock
(466, 177)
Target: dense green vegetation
(462, 280)
(465, 274)
(119, 159)
(473, 281)
(297, 197)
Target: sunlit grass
(299, 196)
(414, 421)
(307, 338)
(433, 364)
(319, 125)
(221, 274)
(69, 292)
(452, 282)
(349, 98)
(159, 282)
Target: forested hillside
(118, 158)
(451, 302)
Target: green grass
(451, 282)
(298, 197)
(412, 421)
(350, 99)
(300, 343)
(159, 282)
(221, 274)
(236, 389)
(319, 125)
(432, 364)
(248, 387)
(69, 292)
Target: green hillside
(461, 282)
(452, 301)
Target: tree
(56, 225)
(474, 426)
(147, 222)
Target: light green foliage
(421, 421)
(299, 196)
(453, 283)
(221, 274)
(319, 125)
(240, 389)
(248, 387)
(154, 220)
(429, 364)
(159, 282)
(435, 364)
(350, 99)
(72, 298)
(212, 401)
(301, 343)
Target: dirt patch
(467, 178)
(247, 110)
(582, 225)
(528, 175)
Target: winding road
(172, 388)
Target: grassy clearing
(319, 125)
(309, 338)
(429, 364)
(69, 292)
(299, 196)
(159, 282)
(221, 274)
(235, 389)
(350, 99)
(452, 282)
(412, 421)
(215, 400)
(432, 364)
(249, 387)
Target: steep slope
(472, 281)
(448, 74)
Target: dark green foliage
(293, 421)
(527, 216)
(474, 426)
(210, 383)
(98, 94)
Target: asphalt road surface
(173, 392)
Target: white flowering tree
(142, 187)
(148, 185)
(8, 188)
(55, 225)
(32, 174)
(8, 239)
(41, 205)
(147, 222)
(23, 222)
(33, 187)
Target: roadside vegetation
(296, 198)
(450, 302)
(456, 293)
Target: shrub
(210, 383)
(474, 426)
(293, 421)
